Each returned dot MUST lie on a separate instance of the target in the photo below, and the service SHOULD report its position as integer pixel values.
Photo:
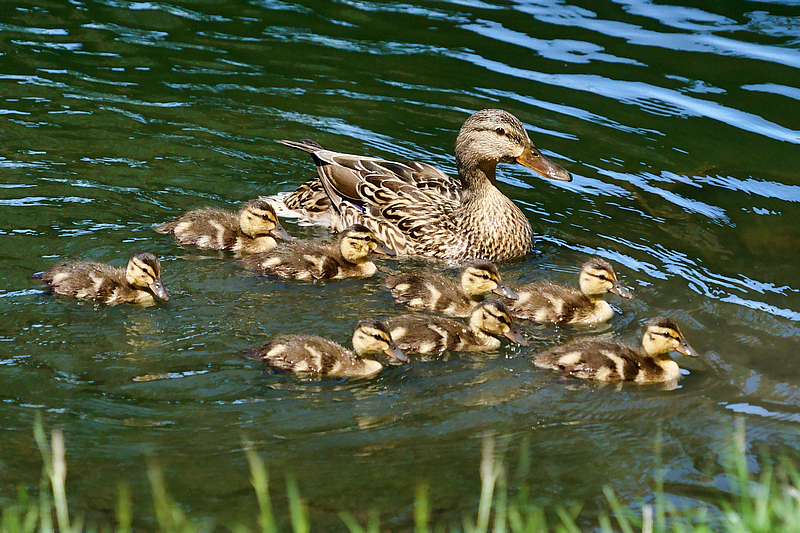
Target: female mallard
(416, 209)
(426, 334)
(139, 283)
(309, 353)
(252, 230)
(548, 302)
(346, 258)
(442, 294)
(614, 361)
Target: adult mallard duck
(427, 334)
(312, 354)
(441, 294)
(416, 209)
(614, 361)
(252, 230)
(139, 282)
(548, 302)
(305, 260)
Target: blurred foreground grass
(769, 502)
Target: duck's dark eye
(500, 131)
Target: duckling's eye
(500, 131)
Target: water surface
(679, 124)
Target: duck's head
(356, 242)
(144, 272)
(482, 277)
(661, 335)
(257, 218)
(493, 317)
(372, 336)
(597, 277)
(493, 136)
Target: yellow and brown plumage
(416, 209)
(548, 302)
(348, 257)
(442, 294)
(317, 355)
(614, 361)
(139, 282)
(252, 230)
(433, 335)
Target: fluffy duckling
(548, 302)
(426, 334)
(309, 353)
(139, 282)
(346, 258)
(441, 294)
(252, 230)
(614, 361)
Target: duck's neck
(496, 226)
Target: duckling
(309, 353)
(253, 230)
(416, 209)
(441, 294)
(548, 302)
(346, 258)
(614, 361)
(426, 334)
(139, 283)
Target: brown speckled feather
(548, 302)
(434, 292)
(307, 353)
(89, 280)
(588, 359)
(425, 334)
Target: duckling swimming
(441, 294)
(139, 282)
(614, 361)
(548, 302)
(415, 208)
(304, 260)
(309, 353)
(252, 230)
(426, 334)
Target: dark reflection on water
(677, 122)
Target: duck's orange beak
(534, 160)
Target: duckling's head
(598, 277)
(482, 277)
(372, 336)
(357, 241)
(493, 317)
(493, 136)
(661, 335)
(257, 218)
(144, 272)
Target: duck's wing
(396, 200)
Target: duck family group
(403, 209)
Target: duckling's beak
(515, 336)
(397, 353)
(158, 289)
(534, 160)
(503, 290)
(685, 349)
(384, 250)
(281, 233)
(621, 291)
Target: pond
(680, 126)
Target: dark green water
(681, 127)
